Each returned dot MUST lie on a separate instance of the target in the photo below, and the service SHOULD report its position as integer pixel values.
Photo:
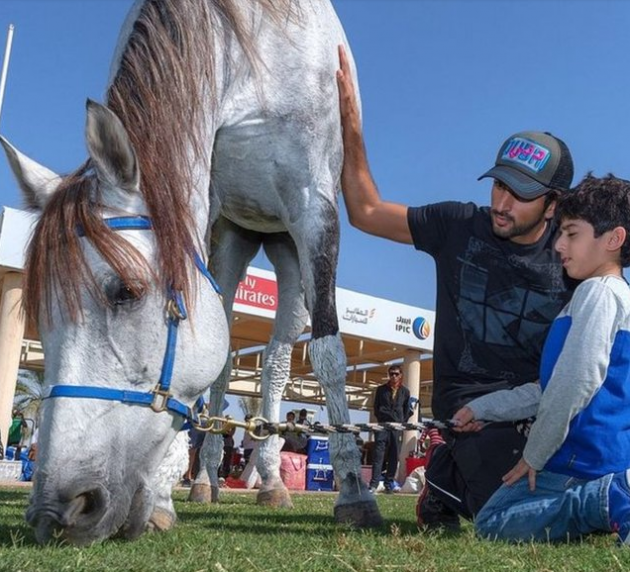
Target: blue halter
(160, 398)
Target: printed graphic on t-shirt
(503, 307)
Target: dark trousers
(466, 471)
(386, 449)
(226, 465)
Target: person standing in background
(248, 442)
(391, 404)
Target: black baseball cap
(532, 163)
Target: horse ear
(111, 150)
(36, 182)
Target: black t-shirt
(388, 408)
(495, 302)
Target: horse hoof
(276, 498)
(201, 493)
(161, 520)
(362, 514)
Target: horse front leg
(231, 250)
(291, 318)
(319, 247)
(205, 488)
(167, 475)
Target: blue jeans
(561, 508)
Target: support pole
(411, 368)
(5, 65)
(11, 335)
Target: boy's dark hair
(602, 202)
(551, 196)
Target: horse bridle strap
(124, 396)
(160, 398)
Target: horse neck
(171, 122)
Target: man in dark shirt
(391, 404)
(303, 418)
(499, 286)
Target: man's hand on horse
(348, 107)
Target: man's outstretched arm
(366, 210)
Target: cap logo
(526, 153)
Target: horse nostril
(70, 517)
(83, 506)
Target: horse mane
(160, 92)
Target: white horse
(222, 133)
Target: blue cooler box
(319, 477)
(317, 452)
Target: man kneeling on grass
(574, 476)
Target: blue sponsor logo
(421, 328)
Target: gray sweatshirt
(578, 374)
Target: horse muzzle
(80, 520)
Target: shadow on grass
(235, 514)
(238, 514)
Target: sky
(443, 83)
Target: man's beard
(515, 230)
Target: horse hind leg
(234, 248)
(318, 247)
(291, 318)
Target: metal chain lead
(260, 429)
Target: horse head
(128, 350)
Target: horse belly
(267, 172)
(278, 152)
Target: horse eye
(125, 294)
(119, 294)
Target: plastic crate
(319, 477)
(317, 450)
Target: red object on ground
(233, 483)
(412, 463)
(293, 470)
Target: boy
(577, 456)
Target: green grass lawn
(237, 535)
